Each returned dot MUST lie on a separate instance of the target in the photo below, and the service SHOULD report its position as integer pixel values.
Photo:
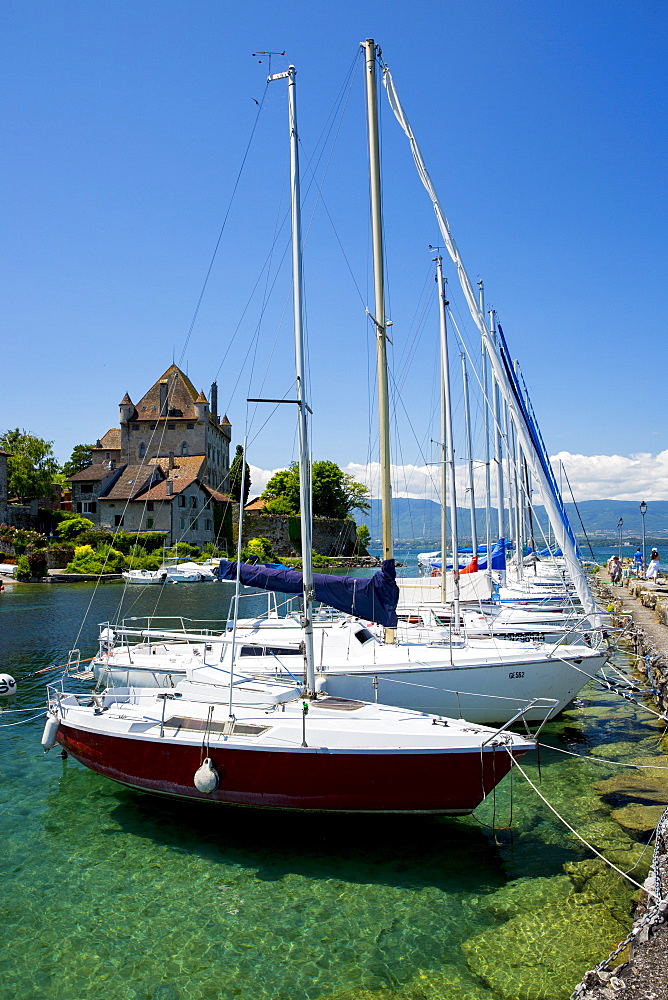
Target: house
(166, 468)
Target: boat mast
(379, 319)
(303, 409)
(469, 458)
(485, 392)
(448, 440)
(498, 452)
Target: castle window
(87, 488)
(135, 427)
(149, 523)
(89, 507)
(182, 501)
(193, 525)
(118, 520)
(150, 505)
(153, 425)
(208, 524)
(141, 450)
(190, 427)
(184, 448)
(193, 501)
(183, 523)
(171, 427)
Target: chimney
(170, 488)
(171, 460)
(163, 398)
(214, 402)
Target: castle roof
(181, 397)
(126, 400)
(93, 474)
(111, 440)
(201, 398)
(161, 490)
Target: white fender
(206, 777)
(7, 686)
(50, 732)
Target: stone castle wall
(331, 536)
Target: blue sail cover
(373, 598)
(498, 556)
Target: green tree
(31, 467)
(363, 539)
(80, 459)
(236, 474)
(335, 493)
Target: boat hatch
(363, 635)
(201, 725)
(270, 651)
(342, 704)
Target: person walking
(638, 561)
(654, 566)
(615, 570)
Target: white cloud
(592, 477)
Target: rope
(574, 831)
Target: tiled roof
(160, 490)
(189, 466)
(181, 396)
(134, 480)
(216, 495)
(111, 440)
(225, 420)
(126, 400)
(257, 504)
(93, 474)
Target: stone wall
(331, 536)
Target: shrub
(37, 563)
(258, 549)
(23, 569)
(103, 559)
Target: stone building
(165, 469)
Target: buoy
(320, 683)
(7, 686)
(206, 777)
(50, 732)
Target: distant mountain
(420, 520)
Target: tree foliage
(73, 527)
(32, 465)
(335, 493)
(80, 459)
(236, 474)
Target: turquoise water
(113, 895)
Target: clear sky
(543, 124)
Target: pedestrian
(654, 564)
(615, 570)
(638, 561)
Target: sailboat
(228, 737)
(428, 670)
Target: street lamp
(643, 511)
(619, 529)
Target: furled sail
(535, 456)
(372, 598)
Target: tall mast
(303, 409)
(469, 458)
(379, 319)
(448, 441)
(498, 451)
(485, 410)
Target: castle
(166, 468)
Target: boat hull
(451, 782)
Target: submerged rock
(540, 954)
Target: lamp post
(643, 511)
(619, 529)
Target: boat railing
(546, 704)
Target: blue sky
(543, 126)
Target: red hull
(308, 780)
